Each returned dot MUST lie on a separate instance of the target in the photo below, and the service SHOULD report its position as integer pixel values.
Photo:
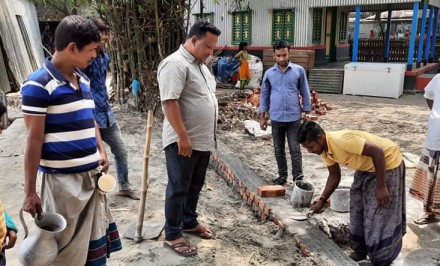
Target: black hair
(76, 29)
(101, 23)
(201, 27)
(280, 45)
(309, 131)
(242, 45)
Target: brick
(313, 117)
(261, 205)
(251, 195)
(264, 217)
(328, 107)
(304, 250)
(266, 210)
(320, 112)
(271, 191)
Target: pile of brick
(319, 107)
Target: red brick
(320, 112)
(304, 250)
(251, 195)
(313, 117)
(271, 191)
(264, 217)
(266, 210)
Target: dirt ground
(240, 238)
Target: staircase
(326, 80)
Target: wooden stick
(140, 221)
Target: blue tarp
(226, 68)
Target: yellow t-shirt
(345, 147)
(2, 225)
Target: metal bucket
(340, 199)
(302, 194)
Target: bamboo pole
(140, 221)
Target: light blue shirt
(280, 93)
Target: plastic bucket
(340, 200)
(302, 194)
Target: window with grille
(317, 26)
(343, 27)
(208, 16)
(242, 27)
(282, 25)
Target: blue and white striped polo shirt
(70, 144)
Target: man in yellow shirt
(377, 195)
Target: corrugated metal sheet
(261, 18)
(262, 15)
(13, 41)
(324, 3)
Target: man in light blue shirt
(282, 84)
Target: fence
(372, 50)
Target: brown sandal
(175, 247)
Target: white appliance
(374, 79)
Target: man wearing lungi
(377, 195)
(426, 183)
(64, 147)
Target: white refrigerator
(374, 79)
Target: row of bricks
(256, 203)
(253, 200)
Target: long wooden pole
(140, 221)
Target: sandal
(174, 247)
(426, 219)
(202, 232)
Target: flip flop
(426, 219)
(202, 232)
(175, 247)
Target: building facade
(320, 25)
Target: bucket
(302, 194)
(106, 183)
(340, 199)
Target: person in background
(187, 93)
(282, 84)
(244, 73)
(65, 150)
(377, 195)
(8, 234)
(426, 182)
(104, 116)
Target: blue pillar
(356, 34)
(428, 36)
(387, 38)
(422, 35)
(434, 36)
(412, 39)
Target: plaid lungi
(91, 234)
(426, 184)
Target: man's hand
(382, 196)
(318, 206)
(263, 123)
(32, 204)
(12, 238)
(185, 146)
(104, 163)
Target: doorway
(330, 33)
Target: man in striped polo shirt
(64, 147)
